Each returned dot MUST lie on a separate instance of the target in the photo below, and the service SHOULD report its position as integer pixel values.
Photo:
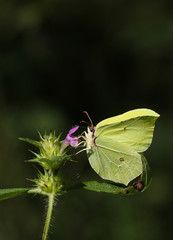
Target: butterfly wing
(114, 161)
(134, 128)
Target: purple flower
(71, 140)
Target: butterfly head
(89, 135)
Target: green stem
(49, 214)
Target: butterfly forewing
(115, 161)
(141, 112)
(134, 132)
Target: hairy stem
(49, 214)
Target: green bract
(49, 154)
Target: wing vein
(110, 159)
(98, 156)
(101, 146)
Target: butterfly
(115, 145)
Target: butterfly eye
(92, 129)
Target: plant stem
(49, 214)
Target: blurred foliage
(60, 57)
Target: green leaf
(33, 142)
(110, 188)
(53, 163)
(12, 192)
(104, 187)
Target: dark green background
(59, 58)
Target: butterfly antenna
(85, 122)
(85, 112)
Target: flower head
(70, 140)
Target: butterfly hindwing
(115, 161)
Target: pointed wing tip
(146, 110)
